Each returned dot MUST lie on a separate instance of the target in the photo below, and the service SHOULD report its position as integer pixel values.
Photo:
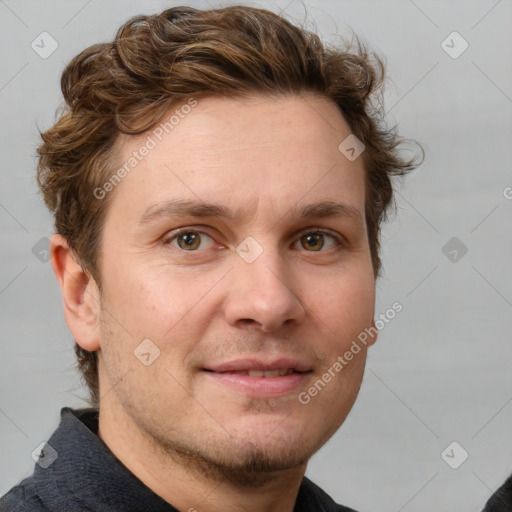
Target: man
(218, 181)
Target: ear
(80, 294)
(374, 333)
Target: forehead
(236, 152)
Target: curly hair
(159, 61)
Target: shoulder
(501, 500)
(313, 498)
(22, 498)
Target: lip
(227, 374)
(259, 364)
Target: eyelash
(175, 234)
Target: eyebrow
(321, 209)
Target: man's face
(262, 288)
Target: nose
(262, 293)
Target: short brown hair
(158, 61)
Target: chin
(252, 465)
(243, 459)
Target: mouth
(259, 379)
(280, 372)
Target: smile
(281, 372)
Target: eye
(188, 240)
(192, 240)
(315, 240)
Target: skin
(193, 440)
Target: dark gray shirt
(77, 472)
(501, 500)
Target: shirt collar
(86, 473)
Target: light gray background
(441, 370)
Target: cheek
(155, 302)
(346, 305)
(139, 294)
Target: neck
(189, 483)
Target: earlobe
(80, 294)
